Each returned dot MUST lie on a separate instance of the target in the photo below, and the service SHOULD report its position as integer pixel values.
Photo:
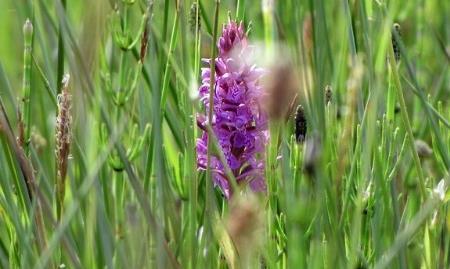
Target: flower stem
(208, 186)
(210, 111)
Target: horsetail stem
(26, 86)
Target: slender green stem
(194, 184)
(173, 39)
(390, 103)
(428, 105)
(240, 9)
(406, 121)
(166, 17)
(212, 89)
(28, 43)
(204, 13)
(218, 150)
(268, 24)
(434, 125)
(60, 70)
(407, 233)
(209, 204)
(50, 91)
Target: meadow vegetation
(105, 115)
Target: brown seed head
(328, 94)
(63, 122)
(300, 125)
(423, 149)
(244, 223)
(144, 41)
(308, 32)
(282, 88)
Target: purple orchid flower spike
(238, 122)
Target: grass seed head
(328, 94)
(308, 32)
(245, 223)
(282, 87)
(300, 125)
(63, 123)
(144, 42)
(423, 149)
(194, 18)
(395, 45)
